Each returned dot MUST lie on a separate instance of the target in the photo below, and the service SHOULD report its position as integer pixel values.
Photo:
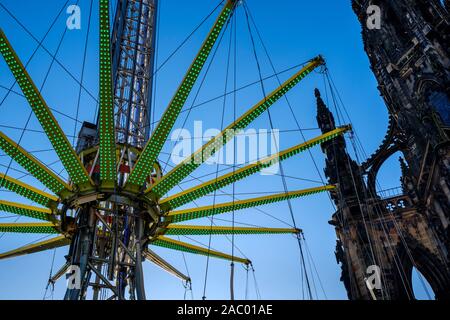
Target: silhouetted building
(410, 58)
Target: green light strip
(177, 174)
(32, 165)
(49, 228)
(48, 122)
(107, 134)
(145, 163)
(27, 211)
(207, 230)
(189, 248)
(197, 213)
(190, 195)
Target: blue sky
(294, 32)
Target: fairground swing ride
(113, 207)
